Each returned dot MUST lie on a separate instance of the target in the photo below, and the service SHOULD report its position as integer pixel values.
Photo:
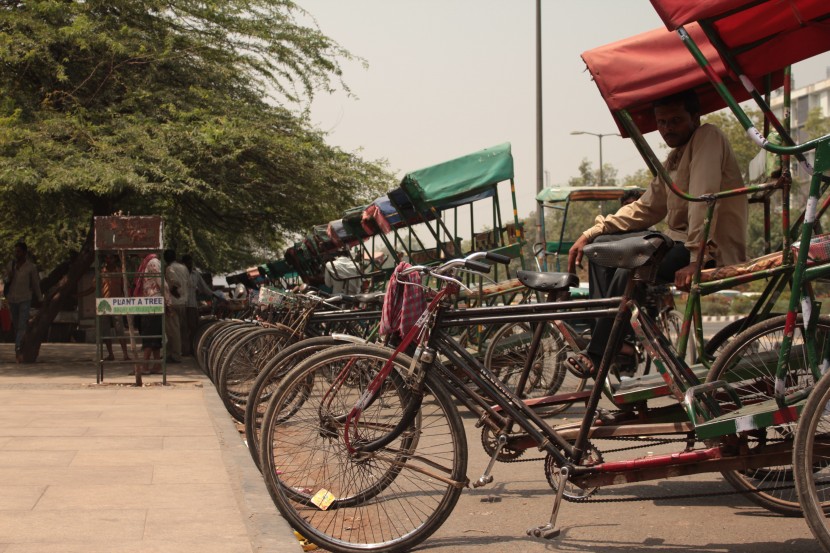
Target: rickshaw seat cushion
(819, 254)
(629, 253)
(763, 263)
(547, 282)
(502, 287)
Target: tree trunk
(38, 327)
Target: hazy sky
(449, 77)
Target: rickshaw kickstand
(549, 531)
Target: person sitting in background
(701, 162)
(343, 276)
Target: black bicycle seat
(629, 253)
(547, 282)
(369, 298)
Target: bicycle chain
(652, 441)
(678, 496)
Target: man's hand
(575, 253)
(683, 277)
(174, 291)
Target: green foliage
(169, 108)
(816, 125)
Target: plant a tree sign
(130, 306)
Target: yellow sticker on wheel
(323, 499)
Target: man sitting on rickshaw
(701, 162)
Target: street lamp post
(598, 135)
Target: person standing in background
(197, 286)
(177, 278)
(21, 286)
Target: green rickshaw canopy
(555, 194)
(460, 180)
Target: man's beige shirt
(707, 165)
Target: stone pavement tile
(109, 443)
(19, 498)
(164, 431)
(171, 474)
(192, 443)
(138, 474)
(68, 431)
(89, 526)
(65, 417)
(127, 457)
(4, 441)
(195, 523)
(206, 545)
(30, 459)
(135, 496)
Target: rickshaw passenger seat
(547, 282)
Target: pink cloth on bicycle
(403, 304)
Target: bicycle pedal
(545, 532)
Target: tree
(171, 108)
(816, 125)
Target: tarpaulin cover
(351, 221)
(765, 36)
(379, 216)
(556, 194)
(279, 268)
(340, 235)
(461, 180)
(632, 73)
(406, 209)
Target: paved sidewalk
(114, 468)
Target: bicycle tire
(812, 478)
(390, 505)
(749, 363)
(242, 364)
(204, 343)
(269, 378)
(220, 345)
(507, 352)
(722, 337)
(670, 324)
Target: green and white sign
(129, 306)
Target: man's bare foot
(109, 357)
(127, 358)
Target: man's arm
(649, 210)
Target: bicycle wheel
(386, 500)
(549, 375)
(670, 323)
(269, 378)
(224, 340)
(242, 364)
(724, 336)
(205, 341)
(811, 460)
(749, 364)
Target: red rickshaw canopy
(634, 72)
(764, 36)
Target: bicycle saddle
(629, 253)
(368, 298)
(547, 282)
